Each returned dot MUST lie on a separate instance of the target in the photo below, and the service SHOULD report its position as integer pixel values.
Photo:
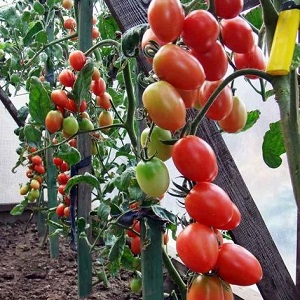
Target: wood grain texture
(252, 233)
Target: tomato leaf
(85, 178)
(39, 101)
(32, 134)
(23, 113)
(103, 211)
(273, 145)
(117, 249)
(255, 17)
(29, 37)
(83, 82)
(10, 15)
(69, 154)
(131, 40)
(164, 214)
(252, 118)
(19, 208)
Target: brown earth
(27, 272)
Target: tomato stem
(195, 123)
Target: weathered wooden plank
(252, 233)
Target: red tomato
(63, 178)
(228, 9)
(197, 247)
(53, 121)
(37, 160)
(67, 78)
(178, 67)
(70, 23)
(136, 227)
(98, 87)
(234, 221)
(254, 59)
(61, 189)
(200, 30)
(67, 211)
(96, 74)
(95, 33)
(237, 118)
(209, 204)
(209, 287)
(59, 98)
(77, 60)
(237, 35)
(83, 106)
(71, 106)
(222, 104)
(57, 161)
(67, 200)
(171, 13)
(135, 245)
(104, 101)
(195, 159)
(164, 105)
(64, 167)
(189, 97)
(60, 210)
(236, 265)
(39, 169)
(73, 142)
(215, 56)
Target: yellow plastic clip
(284, 40)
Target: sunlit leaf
(252, 118)
(273, 145)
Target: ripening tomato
(53, 121)
(164, 105)
(152, 176)
(70, 23)
(237, 118)
(254, 59)
(24, 189)
(59, 98)
(135, 245)
(209, 287)
(200, 30)
(104, 101)
(177, 66)
(215, 56)
(209, 204)
(70, 125)
(60, 210)
(98, 87)
(67, 78)
(189, 97)
(228, 9)
(222, 104)
(77, 60)
(236, 265)
(197, 247)
(155, 146)
(105, 118)
(34, 184)
(166, 19)
(237, 35)
(96, 74)
(95, 32)
(195, 159)
(67, 4)
(147, 37)
(67, 211)
(234, 221)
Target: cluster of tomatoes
(63, 176)
(35, 171)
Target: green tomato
(155, 146)
(153, 177)
(136, 285)
(86, 125)
(33, 195)
(70, 125)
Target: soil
(27, 272)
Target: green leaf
(32, 134)
(296, 58)
(103, 211)
(29, 37)
(273, 145)
(85, 178)
(41, 37)
(269, 93)
(255, 17)
(10, 15)
(83, 82)
(69, 154)
(252, 118)
(19, 208)
(164, 214)
(117, 249)
(38, 7)
(23, 113)
(131, 40)
(39, 101)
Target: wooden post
(252, 233)
(85, 13)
